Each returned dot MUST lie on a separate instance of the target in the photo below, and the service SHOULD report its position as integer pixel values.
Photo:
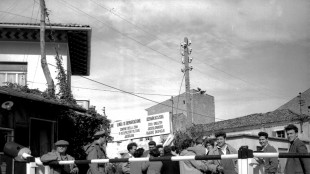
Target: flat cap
(100, 133)
(62, 143)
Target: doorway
(42, 133)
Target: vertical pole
(46, 71)
(171, 117)
(187, 84)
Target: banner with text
(146, 126)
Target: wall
(202, 106)
(30, 52)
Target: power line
(135, 94)
(140, 43)
(136, 26)
(16, 14)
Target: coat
(152, 167)
(192, 166)
(126, 165)
(297, 165)
(230, 165)
(94, 151)
(170, 167)
(58, 169)
(270, 164)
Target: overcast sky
(251, 55)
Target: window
(280, 134)
(13, 72)
(12, 77)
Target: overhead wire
(229, 74)
(109, 86)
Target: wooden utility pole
(46, 71)
(186, 70)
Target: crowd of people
(189, 147)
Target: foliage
(64, 93)
(190, 133)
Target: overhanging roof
(77, 36)
(29, 96)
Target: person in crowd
(169, 167)
(296, 165)
(152, 167)
(136, 167)
(97, 150)
(174, 151)
(270, 164)
(199, 149)
(160, 149)
(131, 147)
(60, 155)
(152, 145)
(209, 144)
(191, 166)
(226, 166)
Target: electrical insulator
(182, 53)
(183, 60)
(190, 51)
(189, 42)
(183, 44)
(191, 68)
(190, 59)
(182, 70)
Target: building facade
(203, 109)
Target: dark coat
(170, 167)
(58, 169)
(270, 164)
(94, 151)
(297, 165)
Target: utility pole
(301, 103)
(186, 60)
(46, 71)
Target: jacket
(170, 167)
(58, 169)
(270, 164)
(297, 165)
(198, 149)
(126, 165)
(230, 165)
(192, 166)
(94, 151)
(153, 167)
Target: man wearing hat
(97, 150)
(60, 155)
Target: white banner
(146, 126)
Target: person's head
(209, 144)
(61, 146)
(186, 143)
(291, 132)
(263, 138)
(152, 145)
(138, 153)
(220, 138)
(100, 137)
(174, 150)
(154, 153)
(160, 149)
(132, 147)
(199, 140)
(167, 150)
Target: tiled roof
(253, 120)
(35, 97)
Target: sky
(251, 55)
